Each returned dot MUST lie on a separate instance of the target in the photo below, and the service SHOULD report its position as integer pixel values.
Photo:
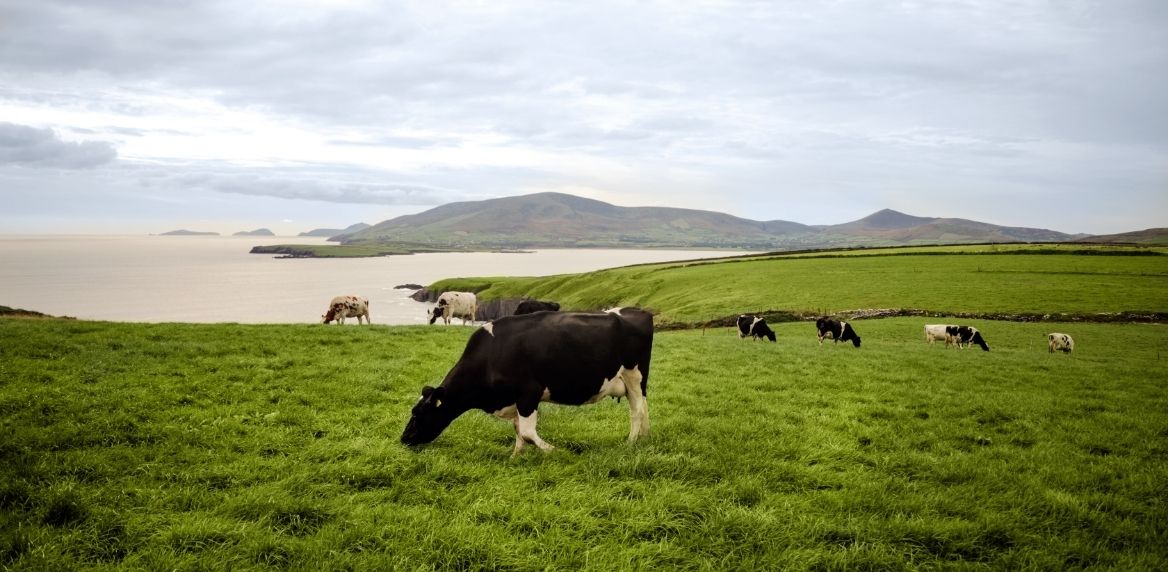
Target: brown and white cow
(343, 307)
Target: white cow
(1060, 342)
(454, 305)
(343, 307)
(940, 333)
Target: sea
(211, 279)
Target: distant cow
(941, 333)
(963, 336)
(532, 306)
(514, 363)
(839, 331)
(454, 305)
(1060, 342)
(343, 307)
(755, 327)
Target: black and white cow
(454, 305)
(940, 333)
(755, 327)
(512, 364)
(839, 331)
(1060, 342)
(532, 306)
(963, 336)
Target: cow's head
(429, 417)
(977, 339)
(435, 313)
(850, 334)
(328, 316)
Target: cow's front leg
(526, 416)
(525, 431)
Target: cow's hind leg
(638, 403)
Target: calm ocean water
(215, 279)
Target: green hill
(1011, 282)
(558, 220)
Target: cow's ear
(427, 391)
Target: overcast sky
(143, 117)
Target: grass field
(693, 293)
(228, 447)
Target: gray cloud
(31, 147)
(862, 103)
(285, 186)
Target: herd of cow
(512, 364)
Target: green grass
(935, 281)
(247, 447)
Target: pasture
(934, 279)
(226, 447)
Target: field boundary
(776, 316)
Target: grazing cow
(343, 307)
(454, 305)
(940, 333)
(532, 306)
(839, 331)
(512, 364)
(963, 336)
(755, 327)
(1060, 342)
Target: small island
(256, 232)
(184, 232)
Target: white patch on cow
(490, 328)
(757, 319)
(509, 413)
(614, 387)
(616, 311)
(936, 333)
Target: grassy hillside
(248, 447)
(551, 220)
(986, 279)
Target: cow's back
(569, 354)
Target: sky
(127, 117)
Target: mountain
(1147, 236)
(256, 232)
(184, 232)
(332, 232)
(898, 227)
(559, 220)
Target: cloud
(302, 187)
(31, 147)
